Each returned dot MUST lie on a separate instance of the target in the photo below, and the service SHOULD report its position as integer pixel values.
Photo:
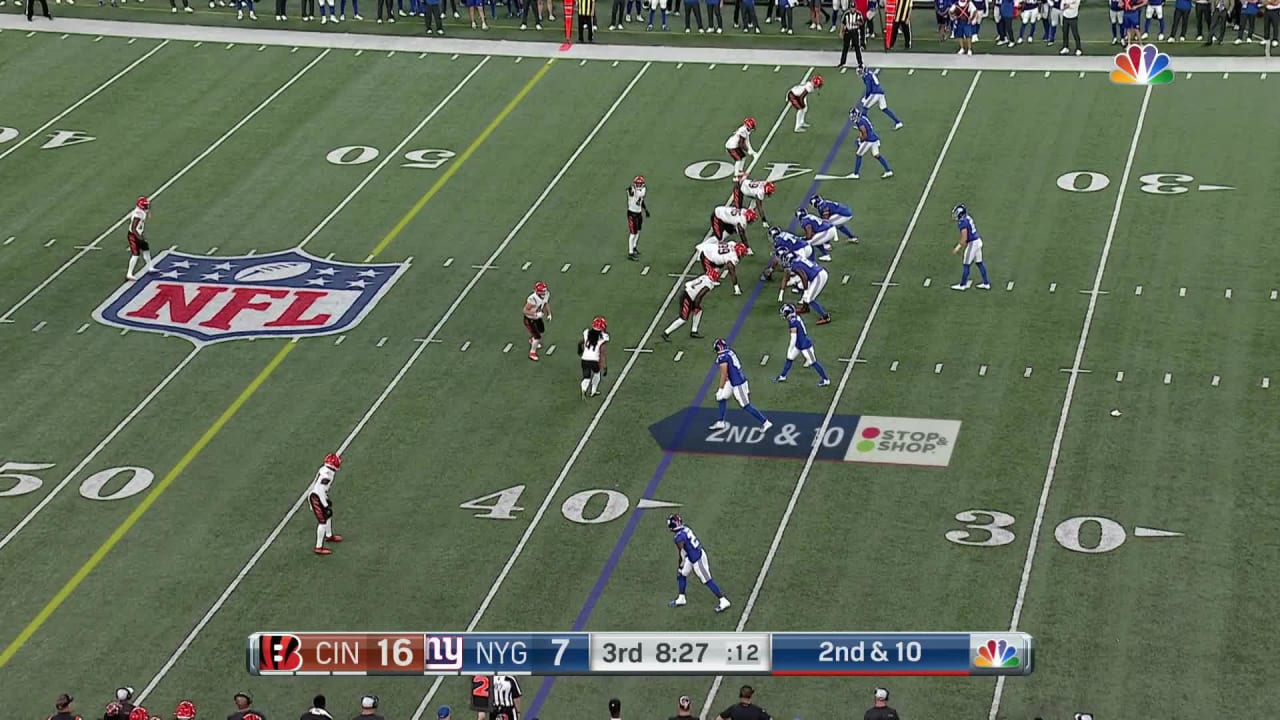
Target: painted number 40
(428, 159)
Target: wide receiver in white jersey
(593, 351)
(723, 256)
(739, 144)
(537, 310)
(691, 303)
(798, 97)
(637, 211)
(745, 189)
(322, 505)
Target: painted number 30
(428, 159)
(1085, 181)
(990, 528)
(115, 483)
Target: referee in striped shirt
(505, 697)
(852, 29)
(586, 20)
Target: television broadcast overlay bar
(604, 653)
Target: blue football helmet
(787, 311)
(855, 113)
(719, 345)
(959, 211)
(816, 200)
(775, 232)
(801, 214)
(674, 523)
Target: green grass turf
(1094, 30)
(865, 547)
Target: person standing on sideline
(1202, 18)
(186, 6)
(1218, 24)
(787, 16)
(1248, 21)
(715, 18)
(44, 10)
(1181, 14)
(391, 11)
(317, 711)
(691, 8)
(683, 708)
(901, 25)
(1070, 26)
(615, 709)
(851, 28)
(369, 709)
(1272, 24)
(880, 710)
(434, 17)
(586, 20)
(745, 709)
(63, 703)
(244, 709)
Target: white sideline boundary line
(586, 436)
(1049, 475)
(137, 410)
(632, 53)
(92, 94)
(386, 392)
(844, 382)
(187, 168)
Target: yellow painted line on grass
(96, 559)
(466, 154)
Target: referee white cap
(1084, 716)
(883, 694)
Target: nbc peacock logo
(1142, 65)
(997, 654)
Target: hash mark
(39, 326)
(519, 59)
(484, 267)
(261, 48)
(448, 262)
(1168, 378)
(464, 347)
(882, 283)
(677, 275)
(132, 41)
(912, 71)
(393, 52)
(982, 371)
(615, 63)
(382, 342)
(329, 256)
(845, 280)
(713, 66)
(296, 50)
(638, 350)
(1095, 292)
(565, 268)
(455, 57)
(359, 53)
(64, 36)
(937, 369)
(605, 269)
(1027, 373)
(213, 250)
(551, 349)
(1053, 287)
(230, 45)
(1266, 383)
(928, 282)
(764, 360)
(1214, 382)
(1226, 75)
(1228, 293)
(1082, 74)
(1009, 286)
(679, 65)
(507, 349)
(776, 68)
(421, 55)
(1120, 376)
(944, 73)
(744, 68)
(99, 38)
(253, 251)
(526, 265)
(893, 366)
(1012, 73)
(12, 238)
(645, 271)
(1273, 292)
(1137, 290)
(51, 242)
(1182, 292)
(584, 62)
(679, 354)
(340, 339)
(82, 328)
(1046, 73)
(126, 332)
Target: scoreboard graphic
(773, 654)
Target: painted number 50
(16, 479)
(426, 159)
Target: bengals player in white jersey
(691, 303)
(744, 189)
(723, 256)
(739, 144)
(592, 349)
(137, 239)
(322, 504)
(798, 96)
(537, 310)
(635, 220)
(728, 219)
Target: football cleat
(144, 203)
(674, 522)
(334, 538)
(678, 602)
(333, 460)
(719, 345)
(599, 324)
(750, 123)
(719, 425)
(540, 289)
(323, 551)
(722, 605)
(533, 355)
(959, 211)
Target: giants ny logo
(279, 653)
(443, 653)
(211, 299)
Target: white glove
(722, 393)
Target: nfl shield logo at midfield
(286, 294)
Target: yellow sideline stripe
(96, 559)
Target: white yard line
(1056, 449)
(8, 316)
(386, 392)
(93, 93)
(586, 436)
(844, 382)
(137, 410)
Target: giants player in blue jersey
(800, 345)
(818, 232)
(873, 94)
(691, 557)
(835, 214)
(813, 277)
(784, 242)
(868, 142)
(971, 244)
(733, 383)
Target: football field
(1098, 423)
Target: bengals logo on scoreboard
(279, 653)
